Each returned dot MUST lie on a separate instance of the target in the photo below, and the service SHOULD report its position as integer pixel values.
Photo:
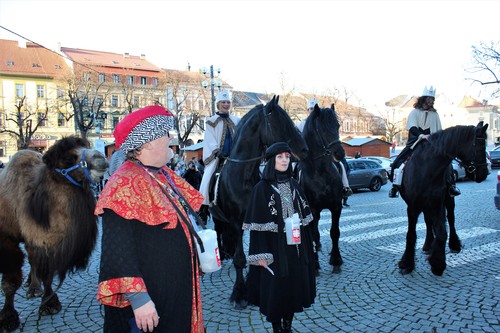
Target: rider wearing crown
(217, 144)
(422, 122)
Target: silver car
(365, 173)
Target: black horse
(320, 177)
(259, 128)
(424, 187)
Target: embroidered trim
(268, 226)
(253, 259)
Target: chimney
(143, 56)
(126, 55)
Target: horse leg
(315, 229)
(239, 296)
(429, 238)
(437, 258)
(50, 302)
(219, 229)
(11, 262)
(454, 242)
(335, 257)
(407, 263)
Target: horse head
(280, 127)
(72, 158)
(476, 167)
(321, 132)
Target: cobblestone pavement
(369, 295)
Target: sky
(375, 49)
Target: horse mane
(245, 119)
(441, 141)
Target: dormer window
(10, 63)
(35, 65)
(115, 62)
(136, 64)
(57, 66)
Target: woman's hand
(263, 263)
(146, 317)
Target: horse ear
(480, 124)
(333, 107)
(316, 107)
(277, 99)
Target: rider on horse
(217, 144)
(422, 122)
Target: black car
(366, 174)
(495, 157)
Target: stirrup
(454, 191)
(393, 192)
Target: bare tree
(87, 96)
(392, 122)
(185, 92)
(26, 119)
(485, 65)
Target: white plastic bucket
(210, 259)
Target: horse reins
(326, 147)
(83, 164)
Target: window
(114, 100)
(41, 119)
(86, 101)
(10, 63)
(19, 90)
(2, 151)
(130, 80)
(154, 82)
(99, 100)
(86, 76)
(40, 91)
(101, 77)
(136, 101)
(60, 92)
(61, 120)
(201, 123)
(116, 78)
(144, 80)
(115, 121)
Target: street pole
(212, 84)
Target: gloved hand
(222, 154)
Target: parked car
(384, 161)
(459, 171)
(366, 173)
(497, 196)
(495, 157)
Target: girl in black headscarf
(281, 279)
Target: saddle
(213, 190)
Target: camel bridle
(82, 164)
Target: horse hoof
(9, 321)
(405, 271)
(337, 269)
(241, 305)
(438, 271)
(34, 292)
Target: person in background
(346, 191)
(422, 122)
(149, 269)
(358, 155)
(192, 175)
(281, 278)
(217, 144)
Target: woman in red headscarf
(149, 273)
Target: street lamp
(213, 83)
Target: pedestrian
(149, 269)
(217, 143)
(346, 191)
(346, 194)
(281, 278)
(192, 175)
(393, 147)
(423, 121)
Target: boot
(287, 324)
(347, 191)
(394, 192)
(277, 327)
(454, 191)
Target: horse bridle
(471, 166)
(269, 133)
(83, 164)
(326, 147)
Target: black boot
(394, 192)
(277, 327)
(454, 191)
(287, 324)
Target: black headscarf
(270, 173)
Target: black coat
(293, 285)
(193, 177)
